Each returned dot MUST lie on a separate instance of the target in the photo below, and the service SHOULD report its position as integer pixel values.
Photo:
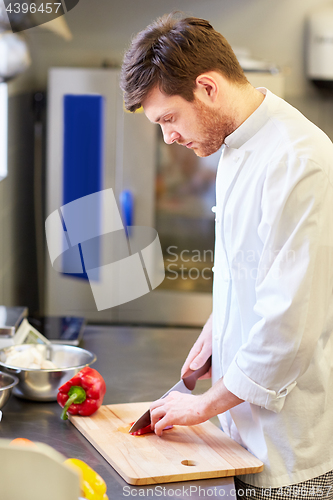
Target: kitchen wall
(272, 30)
(18, 269)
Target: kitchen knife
(185, 385)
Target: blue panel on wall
(83, 151)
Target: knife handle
(190, 377)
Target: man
(270, 333)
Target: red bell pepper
(83, 394)
(140, 432)
(147, 430)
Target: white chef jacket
(272, 295)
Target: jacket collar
(252, 124)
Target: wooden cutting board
(181, 454)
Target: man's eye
(167, 120)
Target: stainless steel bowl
(7, 383)
(42, 385)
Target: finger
(192, 355)
(201, 359)
(156, 404)
(161, 425)
(156, 415)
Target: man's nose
(170, 136)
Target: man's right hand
(201, 350)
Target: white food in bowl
(32, 357)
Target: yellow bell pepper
(92, 485)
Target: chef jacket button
(213, 209)
(213, 269)
(216, 337)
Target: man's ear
(206, 86)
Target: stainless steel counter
(138, 364)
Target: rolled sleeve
(244, 388)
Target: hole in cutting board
(189, 462)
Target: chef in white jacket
(271, 330)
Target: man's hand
(201, 350)
(186, 409)
(176, 409)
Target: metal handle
(190, 377)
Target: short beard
(213, 127)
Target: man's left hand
(187, 409)
(176, 409)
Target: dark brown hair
(171, 53)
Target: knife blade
(185, 385)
